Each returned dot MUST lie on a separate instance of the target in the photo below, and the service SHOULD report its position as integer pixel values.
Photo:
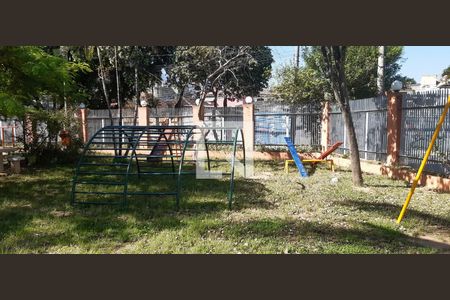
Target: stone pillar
(84, 124)
(143, 114)
(394, 123)
(248, 126)
(325, 126)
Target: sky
(418, 60)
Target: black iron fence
(274, 121)
(420, 114)
(223, 117)
(370, 122)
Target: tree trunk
(180, 97)
(225, 104)
(215, 92)
(334, 57)
(136, 104)
(380, 78)
(201, 110)
(105, 91)
(119, 106)
(118, 87)
(354, 151)
(102, 77)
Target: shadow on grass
(13, 219)
(54, 191)
(327, 238)
(389, 210)
(39, 191)
(393, 185)
(40, 195)
(100, 227)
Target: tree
(361, 67)
(380, 70)
(102, 76)
(299, 85)
(345, 72)
(232, 69)
(250, 77)
(446, 72)
(334, 58)
(146, 61)
(181, 71)
(31, 79)
(204, 67)
(407, 81)
(29, 73)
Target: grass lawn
(273, 213)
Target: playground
(140, 174)
(273, 212)
(155, 189)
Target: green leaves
(361, 69)
(309, 83)
(147, 60)
(10, 105)
(27, 73)
(446, 72)
(240, 70)
(299, 85)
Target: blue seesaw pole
(295, 157)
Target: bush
(46, 148)
(54, 154)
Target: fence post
(394, 122)
(248, 118)
(143, 115)
(84, 124)
(325, 126)
(293, 131)
(195, 119)
(30, 132)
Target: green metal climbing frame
(123, 161)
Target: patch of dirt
(365, 189)
(437, 240)
(263, 176)
(60, 214)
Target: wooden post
(394, 123)
(325, 126)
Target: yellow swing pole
(424, 161)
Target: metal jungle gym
(116, 155)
